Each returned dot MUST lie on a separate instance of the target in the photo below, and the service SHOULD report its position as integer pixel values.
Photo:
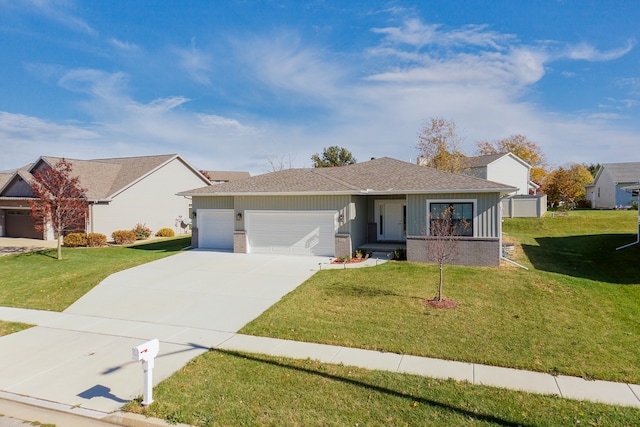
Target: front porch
(383, 250)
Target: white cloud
(196, 63)
(126, 46)
(587, 52)
(286, 66)
(96, 83)
(417, 34)
(59, 11)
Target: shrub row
(123, 237)
(165, 232)
(92, 240)
(120, 237)
(139, 232)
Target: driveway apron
(192, 301)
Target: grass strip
(575, 312)
(38, 280)
(7, 328)
(222, 388)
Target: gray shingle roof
(101, 178)
(383, 175)
(480, 161)
(227, 175)
(104, 178)
(623, 172)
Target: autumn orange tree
(566, 185)
(522, 147)
(59, 201)
(439, 145)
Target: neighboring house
(605, 192)
(333, 211)
(218, 177)
(506, 168)
(509, 169)
(121, 193)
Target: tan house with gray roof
(333, 211)
(121, 193)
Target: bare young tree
(445, 226)
(59, 201)
(279, 163)
(439, 145)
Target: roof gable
(101, 178)
(486, 160)
(621, 172)
(18, 185)
(383, 176)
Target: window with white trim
(457, 216)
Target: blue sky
(239, 85)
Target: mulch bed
(350, 261)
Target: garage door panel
(215, 229)
(296, 233)
(20, 224)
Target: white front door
(391, 220)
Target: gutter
(507, 190)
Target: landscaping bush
(95, 240)
(141, 231)
(399, 254)
(123, 237)
(165, 232)
(75, 240)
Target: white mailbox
(147, 353)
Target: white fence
(524, 206)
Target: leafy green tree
(592, 168)
(333, 156)
(439, 145)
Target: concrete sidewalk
(534, 382)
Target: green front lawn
(575, 312)
(7, 328)
(234, 389)
(39, 281)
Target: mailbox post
(146, 353)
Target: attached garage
(215, 228)
(18, 223)
(291, 232)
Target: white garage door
(215, 228)
(292, 232)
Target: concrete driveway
(16, 245)
(191, 302)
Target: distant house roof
(622, 172)
(227, 176)
(377, 176)
(486, 160)
(4, 178)
(105, 178)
